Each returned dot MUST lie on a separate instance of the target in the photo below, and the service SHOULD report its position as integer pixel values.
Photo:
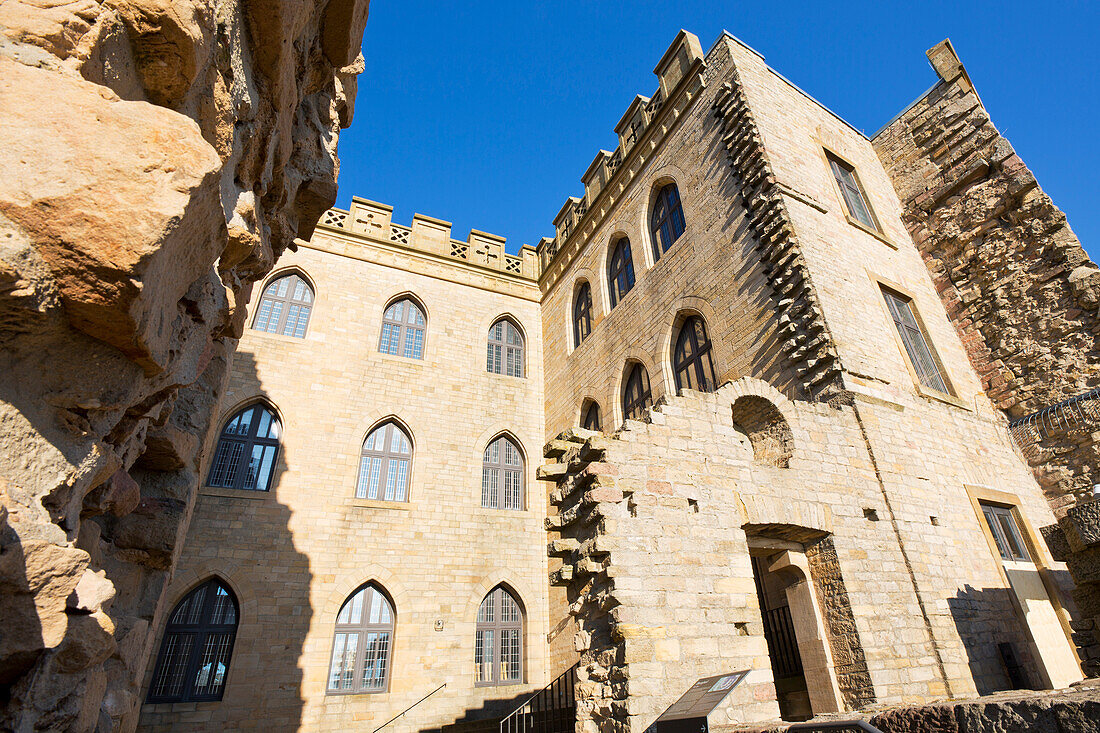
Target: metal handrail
(410, 707)
(507, 724)
(840, 725)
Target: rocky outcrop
(1019, 288)
(158, 158)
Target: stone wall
(158, 159)
(1016, 283)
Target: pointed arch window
(505, 351)
(691, 357)
(590, 419)
(247, 450)
(384, 464)
(285, 307)
(197, 645)
(636, 395)
(666, 223)
(620, 271)
(403, 325)
(502, 475)
(362, 643)
(498, 645)
(582, 314)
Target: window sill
(401, 506)
(507, 376)
(944, 397)
(278, 336)
(234, 493)
(348, 693)
(868, 230)
(404, 359)
(491, 511)
(492, 685)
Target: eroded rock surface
(158, 157)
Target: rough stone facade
(186, 146)
(1016, 283)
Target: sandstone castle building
(763, 403)
(774, 450)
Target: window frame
(663, 210)
(518, 351)
(644, 398)
(582, 313)
(405, 329)
(363, 628)
(199, 633)
(502, 470)
(387, 456)
(888, 291)
(620, 267)
(497, 626)
(287, 302)
(837, 164)
(1006, 533)
(700, 359)
(249, 441)
(587, 408)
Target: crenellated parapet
(374, 221)
(642, 129)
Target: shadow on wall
(997, 648)
(249, 544)
(482, 719)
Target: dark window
(384, 464)
(198, 642)
(403, 330)
(361, 644)
(667, 221)
(620, 275)
(582, 314)
(285, 307)
(920, 353)
(247, 450)
(852, 192)
(590, 420)
(498, 646)
(502, 475)
(636, 394)
(1005, 532)
(505, 352)
(692, 359)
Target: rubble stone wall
(157, 160)
(1016, 283)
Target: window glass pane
(486, 494)
(170, 675)
(210, 675)
(483, 656)
(1012, 535)
(276, 314)
(995, 530)
(303, 319)
(226, 461)
(225, 611)
(342, 671)
(510, 660)
(375, 655)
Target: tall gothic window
(666, 223)
(362, 643)
(620, 271)
(582, 314)
(247, 450)
(198, 642)
(384, 464)
(505, 350)
(691, 357)
(920, 353)
(285, 307)
(403, 330)
(498, 645)
(502, 475)
(590, 417)
(852, 192)
(636, 394)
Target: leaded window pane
(667, 222)
(403, 326)
(692, 360)
(621, 271)
(505, 349)
(285, 307)
(384, 464)
(196, 648)
(582, 314)
(636, 395)
(248, 451)
(591, 418)
(502, 476)
(361, 643)
(498, 644)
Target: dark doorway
(790, 681)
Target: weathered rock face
(158, 158)
(1018, 286)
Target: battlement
(640, 130)
(373, 221)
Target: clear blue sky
(487, 113)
